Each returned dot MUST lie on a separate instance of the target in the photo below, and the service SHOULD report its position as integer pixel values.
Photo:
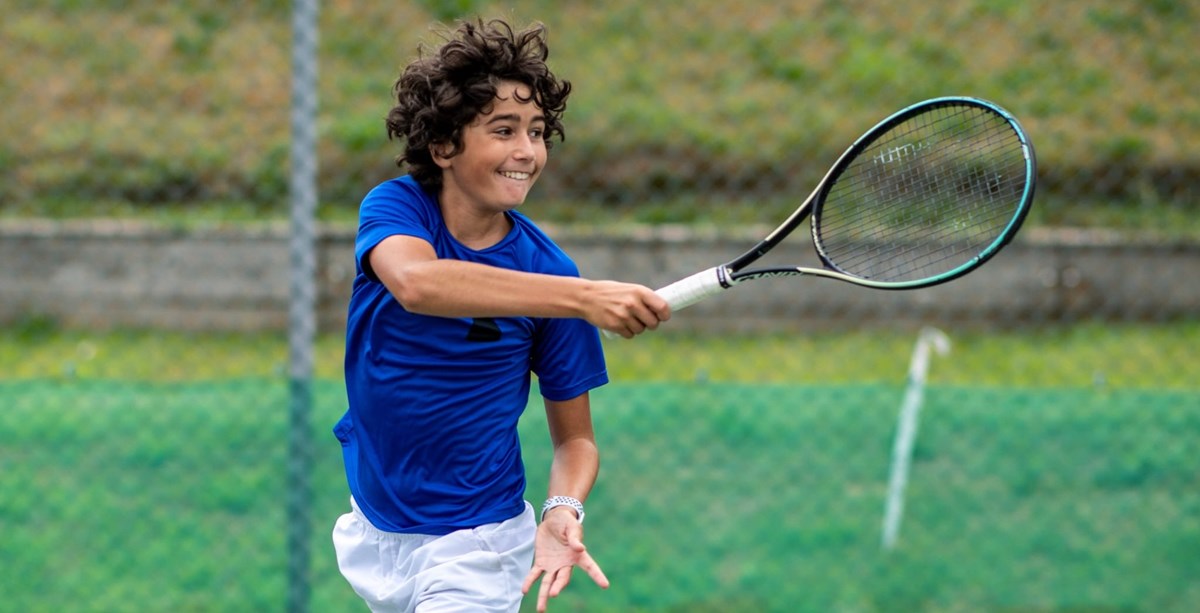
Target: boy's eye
(537, 132)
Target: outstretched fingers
(555, 579)
(593, 570)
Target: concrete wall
(115, 274)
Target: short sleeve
(397, 207)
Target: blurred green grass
(135, 107)
(1087, 354)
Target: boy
(458, 298)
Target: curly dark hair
(439, 94)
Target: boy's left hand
(558, 548)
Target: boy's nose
(524, 148)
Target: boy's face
(503, 152)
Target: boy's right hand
(625, 309)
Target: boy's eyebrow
(512, 117)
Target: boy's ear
(441, 153)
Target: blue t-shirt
(430, 438)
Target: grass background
(699, 112)
(1085, 354)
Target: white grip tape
(688, 291)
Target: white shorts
(479, 569)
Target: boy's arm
(558, 547)
(576, 459)
(425, 284)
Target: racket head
(927, 195)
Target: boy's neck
(473, 229)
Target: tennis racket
(927, 195)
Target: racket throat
(725, 278)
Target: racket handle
(690, 290)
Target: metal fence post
(302, 307)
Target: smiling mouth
(518, 176)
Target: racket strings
(926, 197)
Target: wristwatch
(563, 501)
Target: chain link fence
(176, 224)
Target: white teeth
(519, 176)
